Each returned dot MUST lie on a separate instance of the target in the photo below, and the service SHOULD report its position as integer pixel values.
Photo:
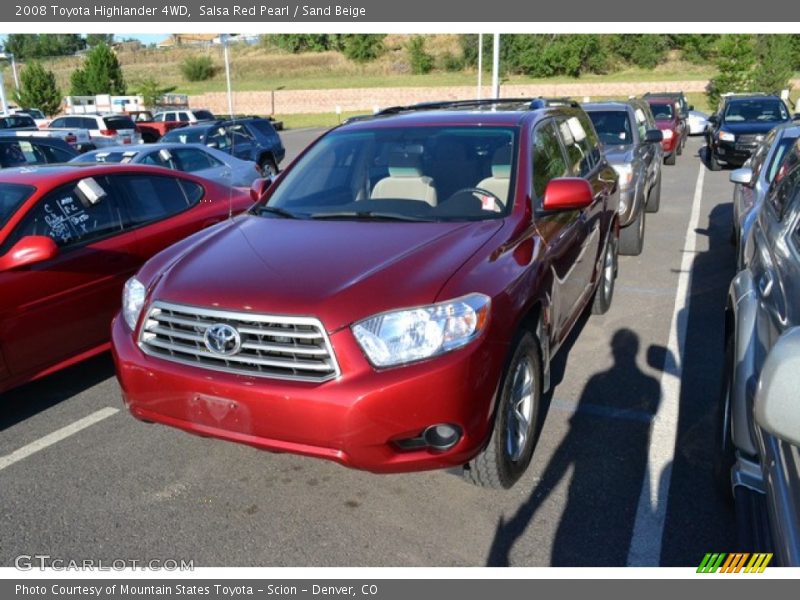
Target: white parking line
(56, 436)
(648, 530)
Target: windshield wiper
(369, 215)
(274, 210)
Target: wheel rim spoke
(520, 409)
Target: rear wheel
(724, 454)
(508, 453)
(670, 160)
(605, 289)
(631, 238)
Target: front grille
(279, 347)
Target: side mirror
(713, 119)
(743, 176)
(567, 193)
(653, 136)
(259, 188)
(777, 402)
(29, 250)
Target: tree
(775, 59)
(38, 89)
(735, 60)
(151, 92)
(95, 39)
(198, 68)
(25, 46)
(421, 61)
(363, 47)
(101, 74)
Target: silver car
(193, 158)
(753, 180)
(757, 456)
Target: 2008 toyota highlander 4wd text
(394, 299)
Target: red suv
(394, 300)
(672, 126)
(70, 237)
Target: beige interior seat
(501, 175)
(405, 180)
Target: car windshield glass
(106, 156)
(117, 123)
(662, 111)
(183, 136)
(35, 113)
(428, 173)
(12, 196)
(201, 115)
(613, 126)
(777, 157)
(756, 111)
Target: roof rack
(532, 104)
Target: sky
(145, 38)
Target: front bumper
(356, 419)
(734, 153)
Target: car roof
(610, 105)
(751, 97)
(57, 174)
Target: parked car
(37, 115)
(17, 121)
(184, 116)
(191, 158)
(18, 150)
(631, 143)
(672, 126)
(394, 300)
(249, 139)
(696, 122)
(752, 181)
(151, 130)
(104, 130)
(739, 125)
(756, 455)
(69, 239)
(684, 108)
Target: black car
(17, 121)
(252, 139)
(739, 126)
(22, 150)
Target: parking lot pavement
(621, 473)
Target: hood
(338, 271)
(619, 154)
(751, 127)
(666, 123)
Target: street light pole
(14, 70)
(480, 65)
(227, 73)
(496, 66)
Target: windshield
(106, 156)
(201, 115)
(613, 127)
(12, 196)
(419, 173)
(756, 111)
(117, 123)
(184, 136)
(35, 113)
(662, 111)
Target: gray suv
(631, 143)
(757, 458)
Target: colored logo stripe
(734, 563)
(758, 563)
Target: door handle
(765, 284)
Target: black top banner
(407, 11)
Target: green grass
(302, 120)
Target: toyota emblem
(222, 339)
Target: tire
(654, 197)
(631, 238)
(724, 454)
(713, 163)
(507, 455)
(670, 160)
(268, 166)
(679, 149)
(605, 288)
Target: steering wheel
(489, 201)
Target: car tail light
(107, 132)
(71, 139)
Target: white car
(697, 122)
(104, 130)
(184, 116)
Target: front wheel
(268, 166)
(724, 455)
(507, 455)
(713, 163)
(605, 288)
(631, 238)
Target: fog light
(442, 437)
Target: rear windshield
(184, 136)
(264, 127)
(12, 196)
(117, 123)
(203, 115)
(16, 121)
(613, 127)
(415, 173)
(662, 111)
(756, 111)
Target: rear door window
(153, 198)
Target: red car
(394, 300)
(69, 239)
(672, 126)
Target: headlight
(625, 173)
(667, 133)
(405, 336)
(132, 301)
(724, 136)
(623, 206)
